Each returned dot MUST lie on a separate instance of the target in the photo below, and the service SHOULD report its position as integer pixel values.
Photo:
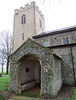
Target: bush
(1, 97)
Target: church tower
(28, 21)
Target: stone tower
(28, 21)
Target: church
(41, 59)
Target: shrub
(1, 97)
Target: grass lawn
(4, 82)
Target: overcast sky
(57, 13)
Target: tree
(6, 47)
(2, 60)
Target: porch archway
(29, 73)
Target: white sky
(57, 14)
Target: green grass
(73, 97)
(74, 94)
(1, 97)
(4, 82)
(67, 99)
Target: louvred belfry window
(23, 19)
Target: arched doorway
(30, 73)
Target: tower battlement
(28, 6)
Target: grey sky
(57, 14)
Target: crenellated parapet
(28, 6)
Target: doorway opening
(30, 74)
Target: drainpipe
(73, 64)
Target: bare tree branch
(5, 47)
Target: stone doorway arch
(29, 73)
(50, 68)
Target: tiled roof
(54, 32)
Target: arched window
(64, 40)
(46, 43)
(67, 40)
(40, 22)
(22, 36)
(23, 19)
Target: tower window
(40, 22)
(22, 36)
(23, 19)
